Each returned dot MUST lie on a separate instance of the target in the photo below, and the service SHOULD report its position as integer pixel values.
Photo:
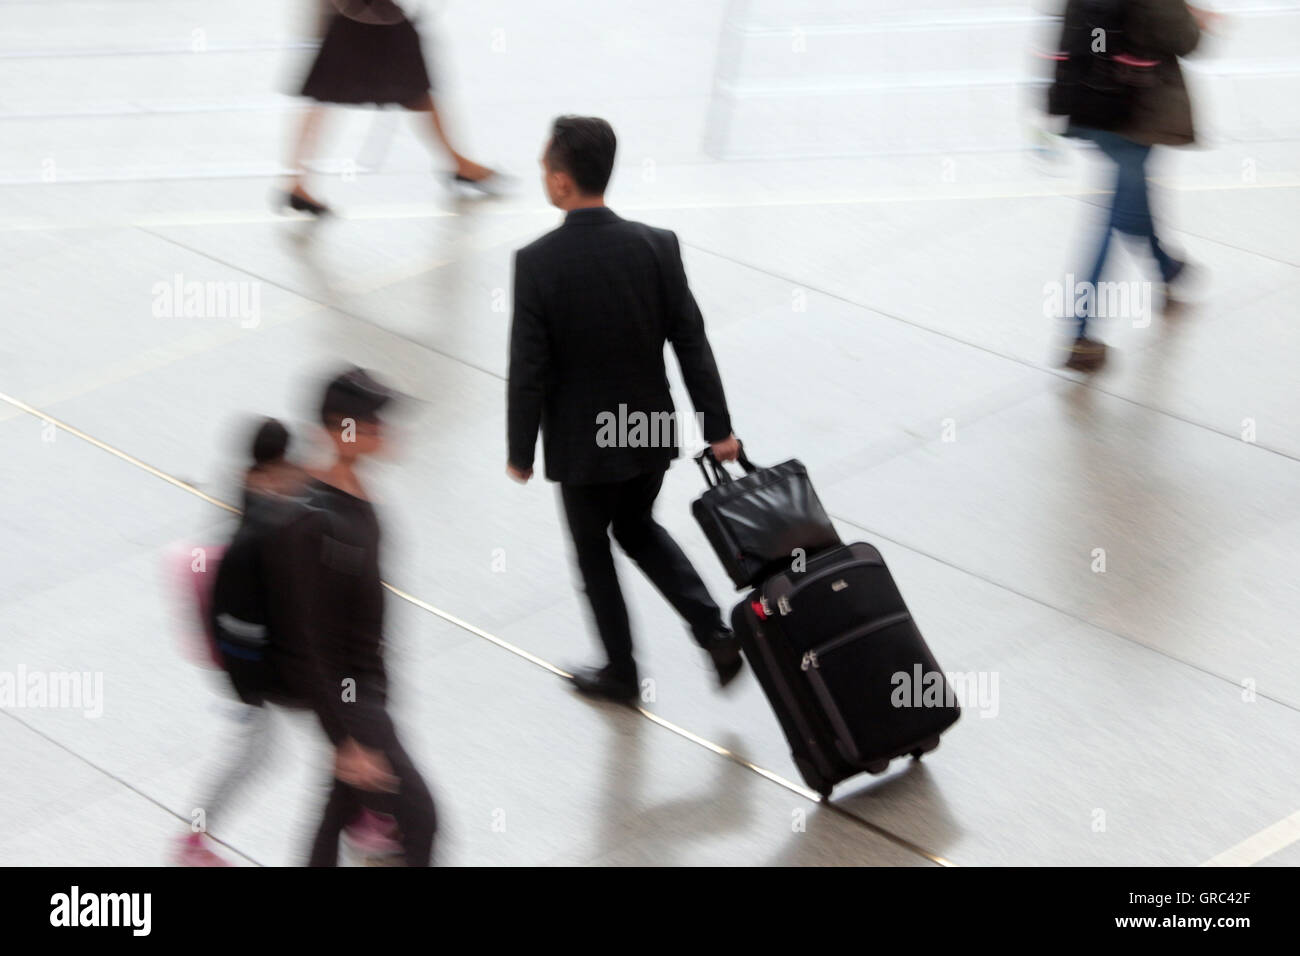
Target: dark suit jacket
(594, 302)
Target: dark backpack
(242, 626)
(1099, 75)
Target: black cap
(354, 394)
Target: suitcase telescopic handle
(720, 475)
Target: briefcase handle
(720, 475)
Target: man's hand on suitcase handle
(726, 450)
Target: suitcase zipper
(783, 602)
(822, 690)
(858, 632)
(792, 706)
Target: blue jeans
(1130, 209)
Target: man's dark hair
(583, 147)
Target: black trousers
(411, 808)
(626, 507)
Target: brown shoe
(1085, 355)
(1183, 289)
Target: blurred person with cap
(595, 302)
(1126, 96)
(253, 581)
(338, 659)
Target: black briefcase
(759, 523)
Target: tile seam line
(450, 618)
(706, 203)
(324, 305)
(74, 53)
(1060, 376)
(233, 174)
(1053, 373)
(389, 213)
(804, 792)
(1062, 611)
(1084, 198)
(120, 781)
(479, 632)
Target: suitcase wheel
(880, 766)
(925, 748)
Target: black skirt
(362, 62)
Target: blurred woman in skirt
(371, 54)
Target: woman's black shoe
(491, 184)
(303, 204)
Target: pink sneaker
(373, 835)
(190, 851)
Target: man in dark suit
(594, 303)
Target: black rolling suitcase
(844, 666)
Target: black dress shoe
(302, 204)
(605, 683)
(725, 651)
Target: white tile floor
(871, 264)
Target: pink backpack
(194, 587)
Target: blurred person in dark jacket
(336, 662)
(260, 576)
(595, 302)
(1131, 98)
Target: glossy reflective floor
(870, 232)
